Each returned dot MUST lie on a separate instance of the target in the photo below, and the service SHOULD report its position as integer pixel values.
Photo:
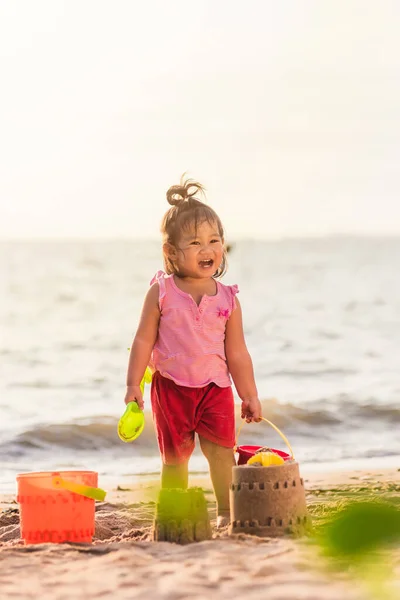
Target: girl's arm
(142, 345)
(240, 366)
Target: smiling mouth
(206, 263)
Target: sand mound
(114, 523)
(9, 525)
(119, 522)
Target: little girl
(191, 334)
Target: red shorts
(179, 412)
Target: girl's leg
(221, 461)
(175, 476)
(175, 439)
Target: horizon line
(233, 239)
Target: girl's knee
(212, 450)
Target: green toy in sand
(131, 424)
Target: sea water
(321, 319)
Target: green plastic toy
(146, 379)
(131, 424)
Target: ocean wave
(82, 434)
(42, 384)
(312, 372)
(339, 410)
(99, 433)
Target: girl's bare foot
(222, 521)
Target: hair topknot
(187, 189)
(187, 211)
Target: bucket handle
(273, 427)
(78, 488)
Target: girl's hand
(251, 410)
(134, 394)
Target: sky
(288, 112)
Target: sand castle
(268, 501)
(181, 516)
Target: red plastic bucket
(246, 452)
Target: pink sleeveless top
(190, 347)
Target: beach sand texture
(123, 562)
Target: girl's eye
(215, 241)
(194, 243)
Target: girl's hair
(186, 212)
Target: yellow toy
(131, 424)
(266, 459)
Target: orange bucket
(57, 506)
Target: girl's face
(198, 252)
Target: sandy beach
(287, 116)
(123, 562)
